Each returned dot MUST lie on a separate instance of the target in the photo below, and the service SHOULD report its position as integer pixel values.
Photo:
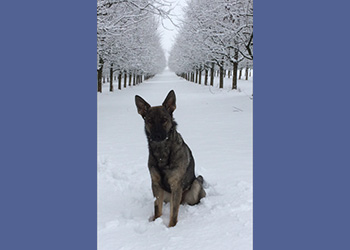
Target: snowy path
(217, 125)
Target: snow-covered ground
(217, 125)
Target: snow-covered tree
(127, 39)
(215, 33)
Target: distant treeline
(216, 35)
(128, 43)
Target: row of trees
(128, 42)
(215, 35)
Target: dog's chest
(161, 154)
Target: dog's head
(159, 119)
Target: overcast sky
(169, 32)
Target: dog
(170, 161)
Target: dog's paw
(157, 220)
(172, 223)
(150, 219)
(153, 218)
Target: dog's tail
(200, 179)
(202, 193)
(203, 182)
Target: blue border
(301, 125)
(48, 125)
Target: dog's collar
(150, 139)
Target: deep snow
(217, 125)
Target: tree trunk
(221, 83)
(133, 79)
(130, 75)
(111, 77)
(212, 74)
(235, 69)
(99, 75)
(125, 76)
(229, 73)
(234, 75)
(120, 80)
(99, 79)
(240, 74)
(200, 76)
(206, 77)
(246, 73)
(104, 79)
(196, 76)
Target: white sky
(169, 32)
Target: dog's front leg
(158, 193)
(175, 200)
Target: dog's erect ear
(170, 102)
(142, 106)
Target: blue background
(48, 125)
(301, 125)
(49, 134)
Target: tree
(127, 38)
(214, 32)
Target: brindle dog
(170, 161)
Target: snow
(217, 126)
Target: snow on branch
(127, 36)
